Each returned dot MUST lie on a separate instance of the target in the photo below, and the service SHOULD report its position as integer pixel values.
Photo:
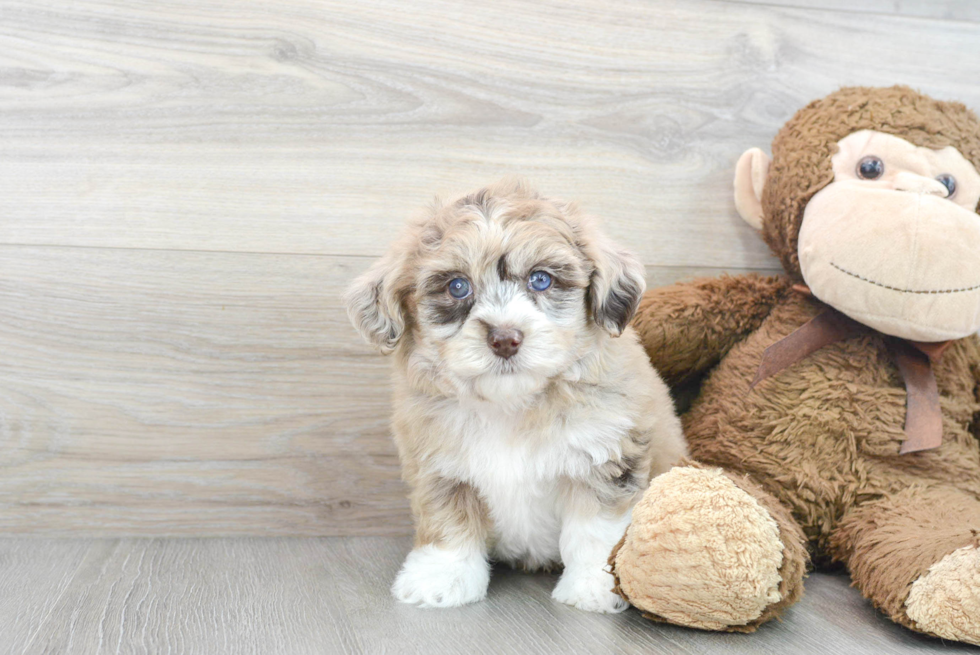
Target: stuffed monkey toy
(839, 408)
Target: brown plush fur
(689, 328)
(890, 543)
(821, 438)
(802, 149)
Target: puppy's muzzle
(505, 342)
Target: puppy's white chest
(521, 493)
(519, 474)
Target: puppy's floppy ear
(374, 300)
(616, 284)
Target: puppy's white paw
(590, 590)
(442, 577)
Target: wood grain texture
(176, 392)
(317, 127)
(34, 576)
(186, 188)
(297, 596)
(188, 392)
(951, 10)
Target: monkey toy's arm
(687, 328)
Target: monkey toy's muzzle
(906, 264)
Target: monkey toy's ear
(750, 178)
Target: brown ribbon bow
(923, 415)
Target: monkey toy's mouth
(903, 264)
(900, 290)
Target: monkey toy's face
(894, 240)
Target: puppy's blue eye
(539, 281)
(459, 288)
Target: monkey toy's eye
(539, 281)
(459, 288)
(870, 168)
(949, 182)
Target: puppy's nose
(504, 342)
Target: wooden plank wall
(186, 188)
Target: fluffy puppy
(527, 416)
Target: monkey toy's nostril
(504, 342)
(912, 183)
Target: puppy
(527, 416)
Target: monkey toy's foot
(945, 601)
(915, 554)
(708, 549)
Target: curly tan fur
(695, 494)
(795, 556)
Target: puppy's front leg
(587, 538)
(448, 566)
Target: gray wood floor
(330, 595)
